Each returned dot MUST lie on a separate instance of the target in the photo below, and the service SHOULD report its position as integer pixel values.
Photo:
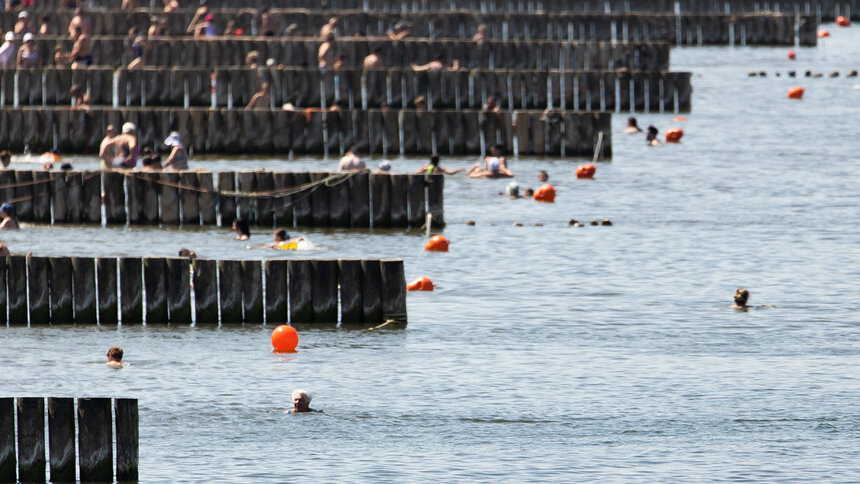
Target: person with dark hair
(5, 158)
(632, 126)
(433, 167)
(187, 253)
(492, 105)
(114, 356)
(7, 213)
(741, 298)
(651, 136)
(240, 226)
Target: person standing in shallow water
(741, 297)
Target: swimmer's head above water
(741, 298)
(301, 401)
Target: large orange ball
(423, 283)
(437, 243)
(842, 21)
(674, 135)
(546, 193)
(285, 338)
(795, 93)
(585, 171)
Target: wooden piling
(393, 290)
(227, 203)
(39, 287)
(415, 193)
(42, 196)
(92, 195)
(169, 187)
(371, 297)
(61, 438)
(324, 292)
(436, 199)
(23, 192)
(95, 446)
(8, 462)
(114, 190)
(338, 204)
(282, 204)
(399, 196)
(252, 291)
(302, 211)
(84, 280)
(189, 198)
(4, 302)
(131, 290)
(246, 183)
(60, 198)
(265, 205)
(31, 439)
(150, 192)
(276, 291)
(179, 290)
(108, 300)
(206, 291)
(61, 290)
(16, 277)
(155, 284)
(206, 199)
(351, 291)
(75, 201)
(127, 439)
(380, 187)
(300, 291)
(230, 290)
(359, 196)
(319, 201)
(136, 198)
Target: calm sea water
(547, 352)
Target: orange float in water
(423, 283)
(437, 243)
(823, 33)
(674, 135)
(791, 55)
(585, 171)
(546, 193)
(679, 118)
(285, 338)
(842, 21)
(795, 93)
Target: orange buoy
(791, 55)
(823, 33)
(795, 93)
(423, 283)
(842, 21)
(437, 243)
(674, 135)
(585, 171)
(285, 338)
(546, 193)
(679, 118)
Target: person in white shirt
(7, 50)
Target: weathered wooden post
(230, 290)
(155, 282)
(95, 446)
(38, 282)
(61, 290)
(301, 291)
(252, 291)
(127, 453)
(106, 273)
(16, 276)
(372, 290)
(351, 291)
(417, 200)
(435, 198)
(131, 287)
(393, 290)
(206, 291)
(398, 200)
(61, 438)
(324, 291)
(84, 280)
(8, 462)
(92, 194)
(179, 290)
(276, 291)
(31, 439)
(359, 195)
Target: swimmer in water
(632, 126)
(543, 176)
(115, 357)
(433, 167)
(494, 166)
(301, 402)
(651, 136)
(241, 228)
(741, 298)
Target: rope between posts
(329, 181)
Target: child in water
(115, 357)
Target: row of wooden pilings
(826, 9)
(313, 131)
(353, 88)
(295, 51)
(702, 29)
(97, 424)
(263, 198)
(158, 290)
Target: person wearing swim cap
(7, 213)
(433, 167)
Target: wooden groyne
(687, 29)
(158, 290)
(492, 54)
(102, 423)
(263, 131)
(263, 198)
(619, 91)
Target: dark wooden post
(127, 437)
(417, 201)
(106, 273)
(230, 290)
(338, 204)
(42, 196)
(3, 300)
(393, 290)
(190, 198)
(7, 440)
(75, 200)
(169, 198)
(319, 201)
(24, 193)
(276, 291)
(206, 291)
(95, 446)
(283, 209)
(136, 197)
(398, 200)
(38, 282)
(301, 284)
(324, 291)
(380, 186)
(435, 199)
(114, 189)
(16, 276)
(61, 290)
(252, 291)
(227, 183)
(179, 290)
(351, 283)
(302, 211)
(60, 198)
(150, 197)
(206, 200)
(265, 210)
(247, 183)
(372, 290)
(84, 277)
(61, 438)
(92, 194)
(31, 439)
(131, 287)
(359, 197)
(155, 283)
